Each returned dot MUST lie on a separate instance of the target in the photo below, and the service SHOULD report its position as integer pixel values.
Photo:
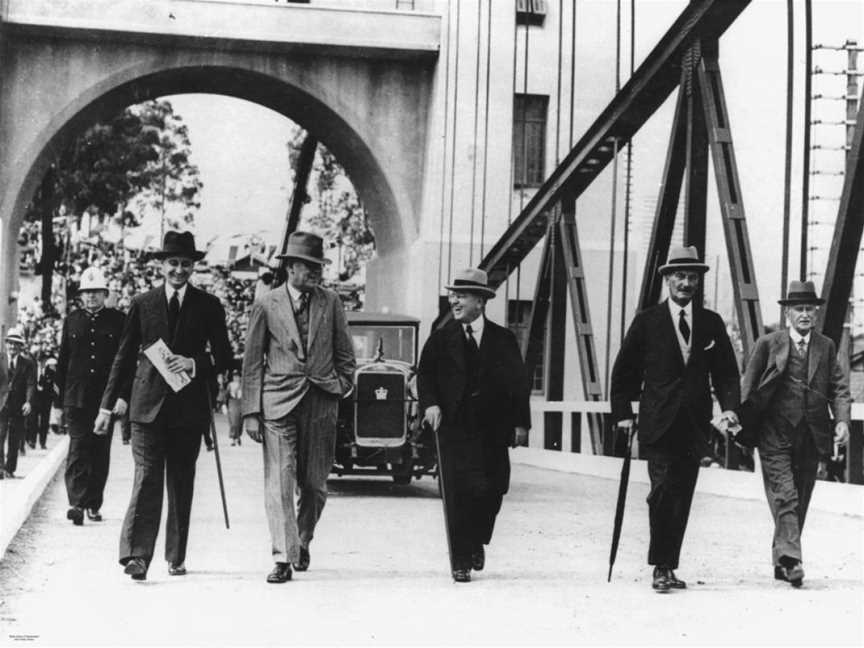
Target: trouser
(88, 460)
(11, 436)
(44, 419)
(789, 476)
(164, 452)
(673, 467)
(299, 450)
(471, 498)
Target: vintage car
(379, 431)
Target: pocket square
(710, 346)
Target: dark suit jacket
(503, 402)
(826, 385)
(200, 334)
(18, 387)
(87, 349)
(650, 368)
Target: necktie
(173, 313)
(684, 327)
(472, 341)
(303, 302)
(802, 347)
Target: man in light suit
(298, 363)
(672, 355)
(167, 426)
(791, 380)
(17, 387)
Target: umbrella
(622, 498)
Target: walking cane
(622, 498)
(216, 455)
(443, 490)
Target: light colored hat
(472, 280)
(15, 335)
(683, 258)
(306, 247)
(92, 279)
(801, 292)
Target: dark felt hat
(306, 247)
(801, 292)
(178, 244)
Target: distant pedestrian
(46, 394)
(474, 392)
(17, 388)
(792, 380)
(88, 344)
(669, 360)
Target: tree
(341, 218)
(142, 153)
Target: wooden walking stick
(442, 487)
(216, 455)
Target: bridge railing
(572, 434)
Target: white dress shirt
(797, 337)
(476, 329)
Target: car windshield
(397, 341)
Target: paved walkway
(379, 572)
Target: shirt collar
(181, 292)
(293, 292)
(675, 309)
(797, 337)
(476, 326)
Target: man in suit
(43, 399)
(671, 357)
(298, 363)
(88, 344)
(17, 386)
(790, 381)
(167, 426)
(474, 392)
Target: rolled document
(158, 354)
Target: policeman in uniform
(89, 343)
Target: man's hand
(120, 407)
(626, 424)
(103, 420)
(732, 417)
(841, 432)
(432, 417)
(179, 364)
(252, 424)
(25, 409)
(520, 438)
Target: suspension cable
(453, 147)
(486, 130)
(444, 157)
(476, 127)
(628, 181)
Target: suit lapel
(316, 312)
(487, 343)
(284, 302)
(817, 348)
(781, 351)
(186, 308)
(456, 345)
(665, 324)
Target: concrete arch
(350, 120)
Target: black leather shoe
(462, 575)
(178, 569)
(76, 514)
(136, 568)
(660, 581)
(674, 581)
(281, 573)
(780, 573)
(302, 563)
(94, 515)
(478, 558)
(794, 574)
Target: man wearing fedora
(17, 387)
(88, 344)
(671, 357)
(167, 426)
(474, 392)
(791, 380)
(298, 362)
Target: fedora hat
(472, 280)
(683, 258)
(801, 292)
(14, 335)
(178, 244)
(306, 247)
(92, 279)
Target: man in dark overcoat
(474, 391)
(792, 379)
(88, 344)
(672, 356)
(167, 426)
(17, 387)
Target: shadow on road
(380, 487)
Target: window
(530, 12)
(518, 316)
(529, 140)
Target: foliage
(341, 218)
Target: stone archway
(356, 107)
